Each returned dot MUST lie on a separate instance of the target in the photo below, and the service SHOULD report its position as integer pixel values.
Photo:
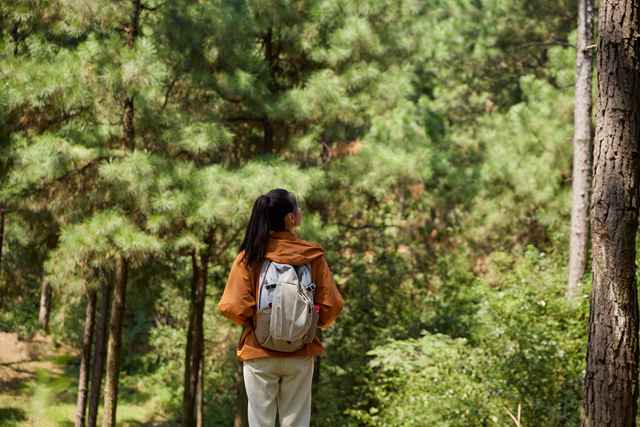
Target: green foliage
(526, 349)
(434, 380)
(88, 246)
(21, 274)
(525, 193)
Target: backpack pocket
(263, 322)
(291, 314)
(264, 338)
(311, 334)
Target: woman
(277, 381)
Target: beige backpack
(286, 319)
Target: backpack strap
(264, 277)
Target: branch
(221, 250)
(168, 92)
(366, 226)
(245, 119)
(542, 43)
(64, 177)
(39, 120)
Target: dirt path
(38, 387)
(19, 359)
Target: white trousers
(282, 385)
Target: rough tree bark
(83, 377)
(114, 343)
(99, 352)
(611, 381)
(582, 150)
(195, 338)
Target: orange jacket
(238, 301)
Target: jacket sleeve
(327, 293)
(238, 299)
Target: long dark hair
(268, 213)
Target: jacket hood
(285, 247)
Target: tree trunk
(582, 150)
(99, 353)
(46, 291)
(271, 58)
(114, 343)
(611, 381)
(133, 27)
(132, 30)
(242, 418)
(87, 338)
(187, 396)
(267, 142)
(2, 214)
(316, 380)
(200, 394)
(315, 383)
(127, 124)
(195, 338)
(45, 305)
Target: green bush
(525, 350)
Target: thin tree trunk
(99, 353)
(267, 131)
(611, 381)
(46, 291)
(582, 150)
(2, 218)
(271, 58)
(45, 305)
(200, 394)
(127, 122)
(114, 343)
(87, 338)
(315, 383)
(241, 419)
(132, 29)
(316, 380)
(187, 397)
(195, 338)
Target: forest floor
(38, 387)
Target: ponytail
(268, 213)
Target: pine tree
(68, 111)
(25, 41)
(611, 381)
(106, 239)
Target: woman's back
(277, 381)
